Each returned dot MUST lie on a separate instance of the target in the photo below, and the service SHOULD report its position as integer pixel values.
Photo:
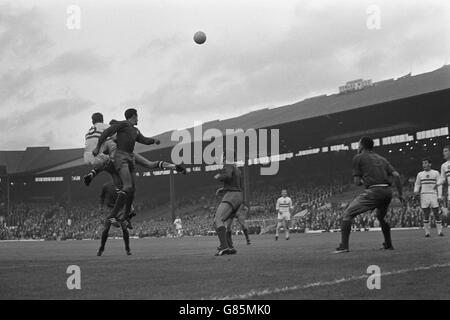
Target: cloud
(81, 62)
(324, 48)
(16, 85)
(22, 32)
(50, 111)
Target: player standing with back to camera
(283, 207)
(231, 202)
(375, 173)
(426, 185)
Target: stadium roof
(45, 160)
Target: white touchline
(264, 292)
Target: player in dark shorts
(124, 160)
(375, 173)
(229, 206)
(240, 217)
(108, 198)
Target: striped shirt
(445, 175)
(426, 182)
(92, 136)
(284, 205)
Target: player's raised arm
(145, 140)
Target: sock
(439, 226)
(386, 229)
(426, 226)
(128, 206)
(229, 240)
(93, 173)
(246, 234)
(126, 239)
(287, 233)
(120, 202)
(346, 228)
(105, 235)
(222, 234)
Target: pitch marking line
(268, 291)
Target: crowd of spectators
(57, 222)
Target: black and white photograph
(201, 151)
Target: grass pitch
(186, 268)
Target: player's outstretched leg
(120, 202)
(126, 240)
(104, 237)
(437, 219)
(385, 228)
(346, 228)
(241, 220)
(426, 221)
(286, 228)
(222, 213)
(90, 176)
(277, 230)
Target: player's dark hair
(367, 143)
(427, 159)
(97, 117)
(130, 113)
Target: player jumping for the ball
(229, 206)
(426, 185)
(102, 162)
(124, 160)
(284, 207)
(374, 172)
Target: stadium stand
(41, 189)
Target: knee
(129, 189)
(218, 221)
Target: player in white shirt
(284, 207)
(445, 179)
(427, 182)
(178, 226)
(103, 160)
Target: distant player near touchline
(232, 200)
(425, 186)
(283, 207)
(375, 173)
(445, 178)
(178, 226)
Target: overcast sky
(140, 53)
